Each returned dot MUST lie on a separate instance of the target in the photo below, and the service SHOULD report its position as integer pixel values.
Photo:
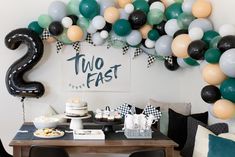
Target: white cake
(76, 108)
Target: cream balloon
(111, 14)
(201, 8)
(180, 46)
(223, 109)
(75, 33)
(123, 3)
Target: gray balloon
(57, 10)
(187, 6)
(163, 45)
(227, 63)
(123, 14)
(97, 40)
(105, 4)
(202, 23)
(182, 63)
(134, 38)
(148, 51)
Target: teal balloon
(73, 7)
(141, 5)
(64, 38)
(173, 11)
(44, 21)
(213, 55)
(83, 22)
(155, 16)
(191, 61)
(214, 42)
(227, 89)
(89, 8)
(153, 35)
(184, 20)
(122, 27)
(35, 27)
(209, 35)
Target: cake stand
(76, 122)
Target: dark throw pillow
(217, 128)
(177, 128)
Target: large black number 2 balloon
(15, 82)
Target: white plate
(39, 133)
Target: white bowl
(45, 122)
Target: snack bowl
(43, 122)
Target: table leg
(169, 151)
(17, 151)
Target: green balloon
(227, 89)
(153, 35)
(209, 35)
(141, 5)
(184, 20)
(89, 8)
(64, 38)
(35, 27)
(213, 55)
(155, 16)
(214, 42)
(191, 61)
(73, 7)
(44, 21)
(83, 22)
(173, 11)
(122, 27)
(179, 1)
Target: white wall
(156, 82)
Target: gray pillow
(192, 125)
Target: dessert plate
(48, 133)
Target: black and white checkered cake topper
(151, 110)
(125, 109)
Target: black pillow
(177, 128)
(217, 128)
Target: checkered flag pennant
(108, 46)
(169, 59)
(125, 49)
(89, 39)
(45, 34)
(151, 60)
(151, 110)
(59, 46)
(138, 51)
(124, 109)
(76, 46)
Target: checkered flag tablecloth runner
(89, 39)
(138, 51)
(151, 110)
(151, 60)
(124, 109)
(76, 46)
(169, 59)
(59, 46)
(125, 49)
(45, 34)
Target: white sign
(95, 68)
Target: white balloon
(105, 4)
(123, 14)
(97, 40)
(91, 29)
(129, 8)
(157, 5)
(134, 38)
(227, 29)
(149, 43)
(196, 33)
(67, 22)
(202, 23)
(187, 6)
(182, 63)
(227, 62)
(98, 22)
(104, 34)
(171, 27)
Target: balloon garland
(176, 31)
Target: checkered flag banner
(76, 46)
(151, 60)
(169, 59)
(45, 34)
(89, 39)
(151, 110)
(59, 46)
(138, 51)
(108, 46)
(124, 109)
(125, 49)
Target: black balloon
(74, 19)
(226, 43)
(171, 63)
(210, 94)
(15, 82)
(197, 49)
(137, 19)
(152, 1)
(56, 28)
(179, 32)
(160, 28)
(107, 27)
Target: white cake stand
(76, 122)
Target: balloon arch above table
(174, 31)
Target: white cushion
(228, 136)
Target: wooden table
(112, 144)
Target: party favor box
(85, 134)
